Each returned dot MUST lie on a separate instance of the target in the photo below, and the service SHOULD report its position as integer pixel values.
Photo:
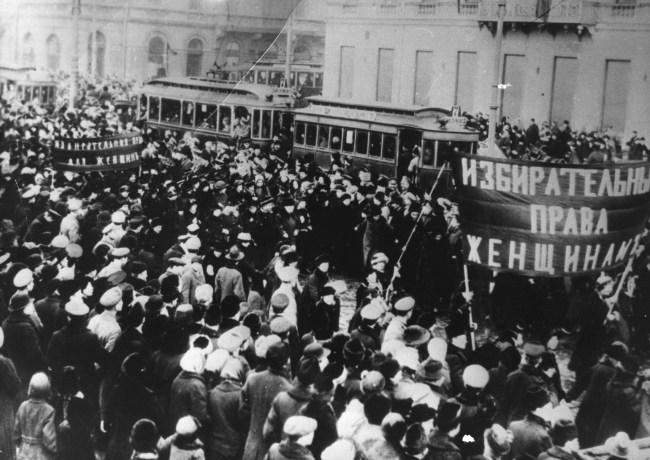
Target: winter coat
(22, 346)
(556, 453)
(34, 431)
(287, 450)
(75, 443)
(285, 405)
(644, 423)
(256, 398)
(442, 447)
(194, 452)
(229, 281)
(594, 385)
(530, 438)
(308, 299)
(129, 402)
(226, 438)
(53, 316)
(326, 432)
(621, 407)
(188, 396)
(512, 406)
(74, 345)
(190, 280)
(325, 319)
(9, 390)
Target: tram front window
(154, 106)
(428, 153)
(171, 111)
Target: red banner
(98, 154)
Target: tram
(27, 84)
(385, 137)
(309, 77)
(218, 110)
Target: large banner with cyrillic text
(550, 219)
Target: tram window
(428, 154)
(170, 110)
(37, 93)
(212, 116)
(311, 135)
(188, 113)
(143, 105)
(362, 142)
(249, 77)
(261, 77)
(375, 145)
(319, 80)
(266, 124)
(293, 79)
(335, 143)
(323, 136)
(445, 149)
(348, 140)
(256, 123)
(300, 133)
(389, 146)
(224, 119)
(304, 79)
(242, 122)
(154, 106)
(277, 123)
(462, 147)
(275, 78)
(28, 93)
(205, 115)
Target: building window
(617, 83)
(301, 53)
(385, 75)
(564, 88)
(232, 53)
(423, 77)
(28, 50)
(53, 53)
(514, 66)
(194, 58)
(157, 56)
(267, 50)
(101, 53)
(465, 78)
(346, 74)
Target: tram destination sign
(344, 112)
(549, 219)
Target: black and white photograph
(324, 230)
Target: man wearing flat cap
(299, 431)
(105, 324)
(118, 257)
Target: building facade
(148, 38)
(579, 60)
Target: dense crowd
(189, 309)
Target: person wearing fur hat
(257, 396)
(144, 440)
(131, 400)
(9, 393)
(35, 430)
(311, 293)
(288, 403)
(74, 419)
(22, 344)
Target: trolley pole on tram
(492, 132)
(74, 73)
(287, 65)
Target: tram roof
(26, 75)
(380, 107)
(205, 90)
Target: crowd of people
(191, 309)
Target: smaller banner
(547, 219)
(98, 154)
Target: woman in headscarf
(189, 393)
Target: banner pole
(624, 275)
(472, 336)
(408, 240)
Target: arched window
(301, 53)
(157, 56)
(194, 58)
(53, 53)
(268, 50)
(28, 50)
(232, 53)
(101, 53)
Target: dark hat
(448, 416)
(234, 254)
(230, 306)
(353, 352)
(134, 365)
(389, 368)
(144, 436)
(277, 355)
(169, 288)
(326, 290)
(51, 285)
(19, 301)
(308, 370)
(33, 261)
(69, 382)
(415, 440)
(415, 336)
(154, 303)
(535, 397)
(136, 267)
(419, 413)
(333, 371)
(322, 259)
(617, 350)
(49, 272)
(104, 217)
(455, 329)
(430, 370)
(510, 357)
(323, 383)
